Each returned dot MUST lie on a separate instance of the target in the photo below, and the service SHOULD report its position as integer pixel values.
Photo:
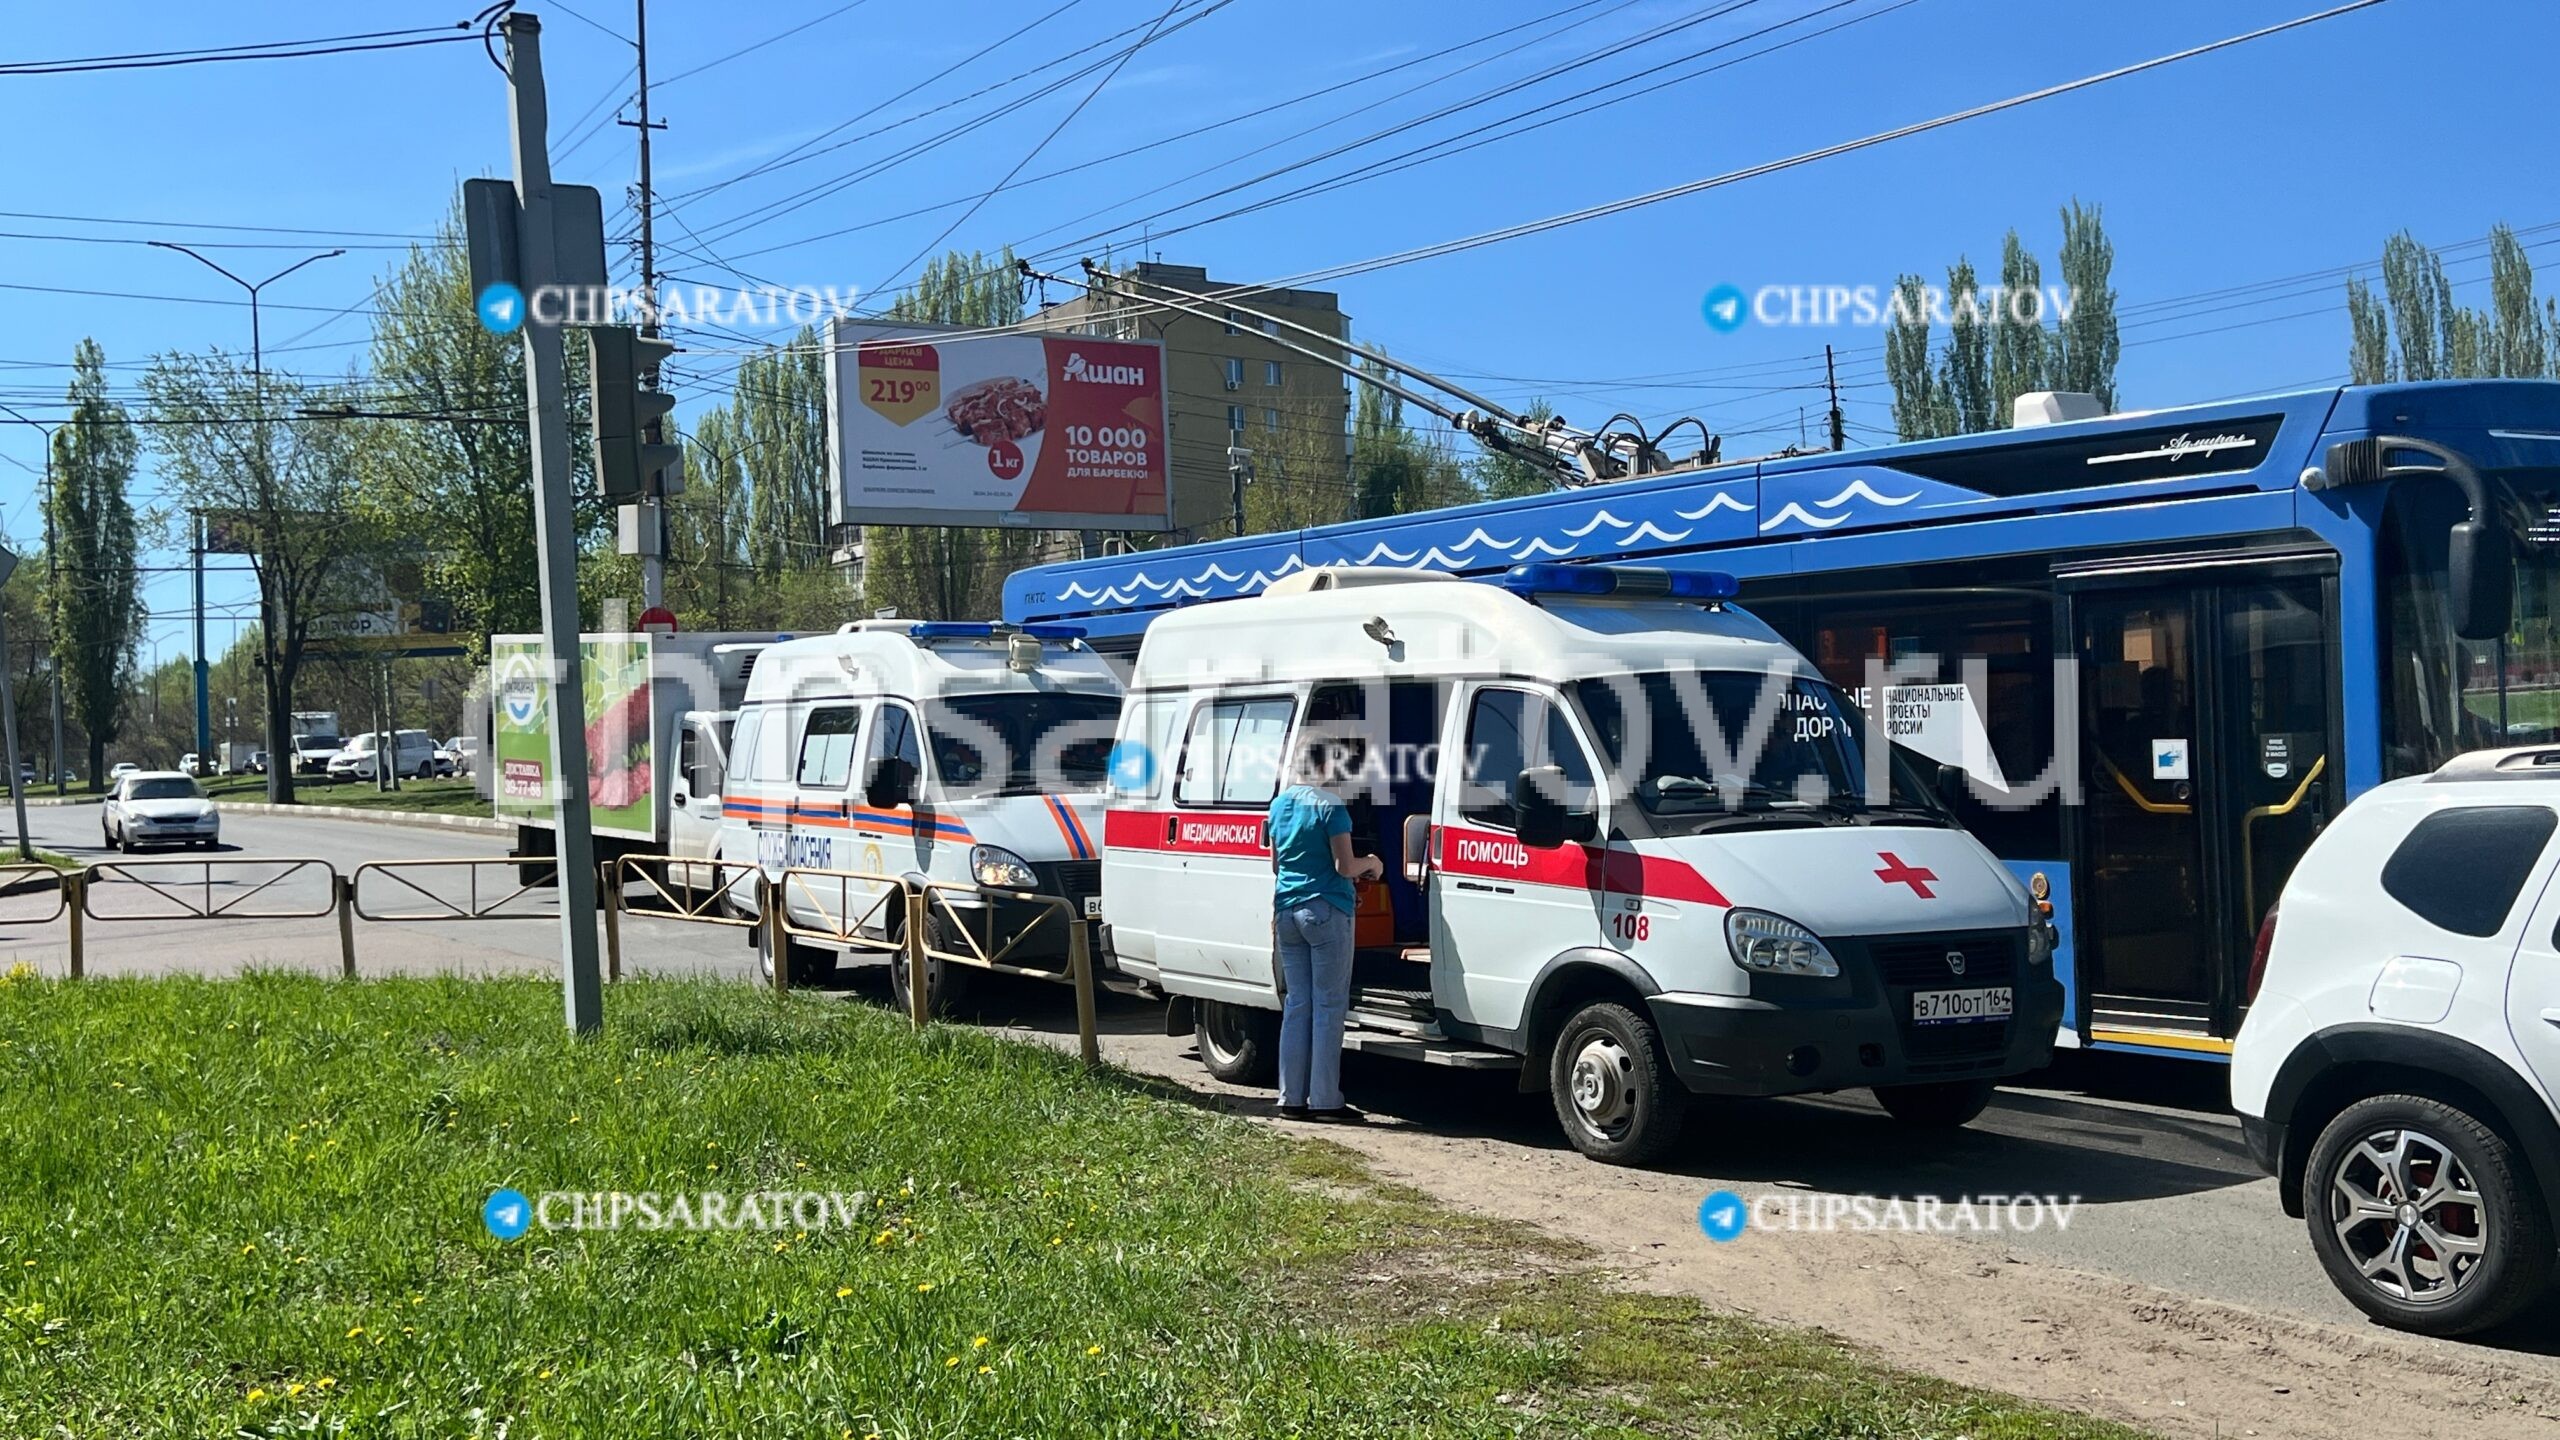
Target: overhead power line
(1796, 161)
(268, 50)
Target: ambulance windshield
(1022, 742)
(1703, 744)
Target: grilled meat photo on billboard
(1006, 408)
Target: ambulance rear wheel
(1613, 1088)
(1945, 1105)
(946, 987)
(1239, 1044)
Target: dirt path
(2015, 1314)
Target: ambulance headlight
(1776, 945)
(996, 866)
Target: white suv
(2397, 1068)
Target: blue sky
(2290, 157)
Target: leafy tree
(2086, 345)
(26, 616)
(1395, 471)
(1497, 476)
(2369, 325)
(1916, 413)
(1301, 477)
(454, 476)
(284, 491)
(2417, 332)
(779, 411)
(2018, 340)
(1965, 383)
(97, 611)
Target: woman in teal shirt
(1312, 904)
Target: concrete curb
(476, 824)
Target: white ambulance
(949, 751)
(1656, 862)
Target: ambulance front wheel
(1239, 1044)
(1945, 1105)
(810, 966)
(1614, 1091)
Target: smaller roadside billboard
(622, 783)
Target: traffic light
(624, 413)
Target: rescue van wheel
(1239, 1044)
(946, 987)
(1613, 1088)
(810, 966)
(1945, 1105)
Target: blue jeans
(1315, 975)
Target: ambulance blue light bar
(988, 630)
(1629, 580)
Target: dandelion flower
(843, 1290)
(1093, 1349)
(978, 1344)
(354, 1330)
(545, 1375)
(326, 1382)
(950, 1360)
(257, 1395)
(293, 1389)
(986, 1369)
(924, 1287)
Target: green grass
(253, 1208)
(435, 797)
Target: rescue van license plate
(1952, 1007)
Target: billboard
(621, 770)
(930, 426)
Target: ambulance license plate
(1093, 907)
(1955, 1007)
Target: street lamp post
(52, 575)
(258, 390)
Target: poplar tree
(1965, 403)
(97, 608)
(2086, 346)
(2018, 341)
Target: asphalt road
(2166, 1193)
(276, 914)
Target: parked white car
(413, 756)
(119, 770)
(2398, 1064)
(158, 807)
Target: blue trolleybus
(2226, 621)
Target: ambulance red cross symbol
(1895, 872)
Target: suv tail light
(2258, 957)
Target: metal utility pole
(652, 505)
(1839, 425)
(258, 392)
(555, 530)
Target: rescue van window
(826, 747)
(1232, 755)
(1509, 731)
(893, 735)
(768, 758)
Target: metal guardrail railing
(221, 889)
(891, 915)
(932, 899)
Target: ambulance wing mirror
(893, 783)
(1417, 848)
(1538, 803)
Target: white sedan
(158, 807)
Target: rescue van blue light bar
(1629, 580)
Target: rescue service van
(957, 752)
(1636, 847)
